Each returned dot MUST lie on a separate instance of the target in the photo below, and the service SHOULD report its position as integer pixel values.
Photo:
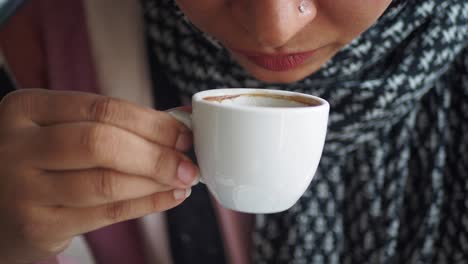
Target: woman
(391, 186)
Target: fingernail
(184, 141)
(196, 181)
(187, 173)
(188, 192)
(180, 194)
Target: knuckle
(29, 228)
(102, 109)
(163, 126)
(91, 137)
(163, 159)
(117, 210)
(36, 236)
(167, 130)
(34, 229)
(156, 205)
(106, 184)
(158, 126)
(25, 229)
(16, 100)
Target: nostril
(273, 23)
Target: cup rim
(199, 99)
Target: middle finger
(86, 145)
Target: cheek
(352, 17)
(214, 17)
(201, 12)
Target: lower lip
(278, 63)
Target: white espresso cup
(257, 149)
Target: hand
(74, 162)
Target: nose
(273, 22)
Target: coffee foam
(264, 100)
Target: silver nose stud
(304, 7)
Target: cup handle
(183, 117)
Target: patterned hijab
(392, 185)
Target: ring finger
(93, 187)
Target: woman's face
(276, 42)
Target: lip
(277, 62)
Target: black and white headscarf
(392, 185)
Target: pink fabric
(120, 244)
(69, 59)
(56, 33)
(236, 229)
(61, 59)
(70, 67)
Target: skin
(74, 162)
(276, 26)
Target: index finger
(46, 108)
